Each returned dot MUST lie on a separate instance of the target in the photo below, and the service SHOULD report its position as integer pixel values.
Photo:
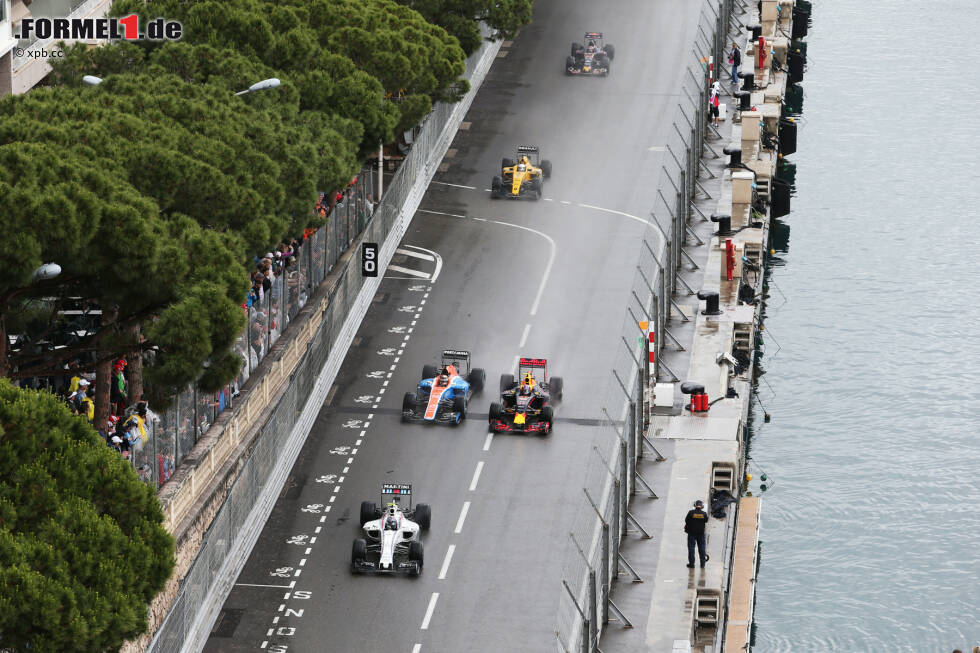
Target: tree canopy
(83, 549)
(461, 18)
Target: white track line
(476, 476)
(435, 256)
(547, 268)
(414, 273)
(408, 252)
(527, 330)
(416, 648)
(429, 610)
(462, 517)
(446, 183)
(486, 444)
(445, 563)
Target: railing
(592, 561)
(175, 431)
(181, 626)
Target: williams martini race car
(525, 405)
(523, 177)
(444, 391)
(391, 541)
(593, 58)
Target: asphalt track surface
(550, 279)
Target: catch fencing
(174, 432)
(592, 562)
(184, 627)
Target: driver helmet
(391, 524)
(443, 380)
(591, 47)
(521, 167)
(529, 379)
(525, 389)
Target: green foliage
(82, 545)
(342, 56)
(461, 18)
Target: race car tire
(496, 187)
(429, 371)
(369, 512)
(506, 382)
(576, 48)
(459, 407)
(548, 416)
(358, 552)
(506, 163)
(415, 552)
(556, 386)
(610, 50)
(423, 516)
(495, 412)
(477, 378)
(569, 64)
(408, 404)
(546, 168)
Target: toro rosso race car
(523, 178)
(444, 391)
(391, 541)
(524, 405)
(591, 59)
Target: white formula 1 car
(391, 541)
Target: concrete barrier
(193, 498)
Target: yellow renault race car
(523, 177)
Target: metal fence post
(593, 616)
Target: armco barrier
(228, 485)
(592, 562)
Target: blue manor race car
(444, 391)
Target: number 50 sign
(369, 259)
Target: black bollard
(724, 223)
(735, 152)
(744, 100)
(710, 298)
(696, 391)
(756, 31)
(748, 80)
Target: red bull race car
(593, 58)
(525, 404)
(444, 391)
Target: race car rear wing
(396, 492)
(593, 35)
(531, 364)
(527, 148)
(456, 356)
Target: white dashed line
(282, 606)
(298, 572)
(476, 476)
(308, 551)
(318, 529)
(341, 479)
(429, 610)
(302, 563)
(333, 498)
(346, 469)
(416, 648)
(565, 202)
(445, 563)
(313, 540)
(336, 489)
(527, 330)
(393, 368)
(350, 460)
(275, 620)
(486, 443)
(354, 451)
(266, 643)
(323, 519)
(462, 517)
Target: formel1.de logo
(125, 28)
